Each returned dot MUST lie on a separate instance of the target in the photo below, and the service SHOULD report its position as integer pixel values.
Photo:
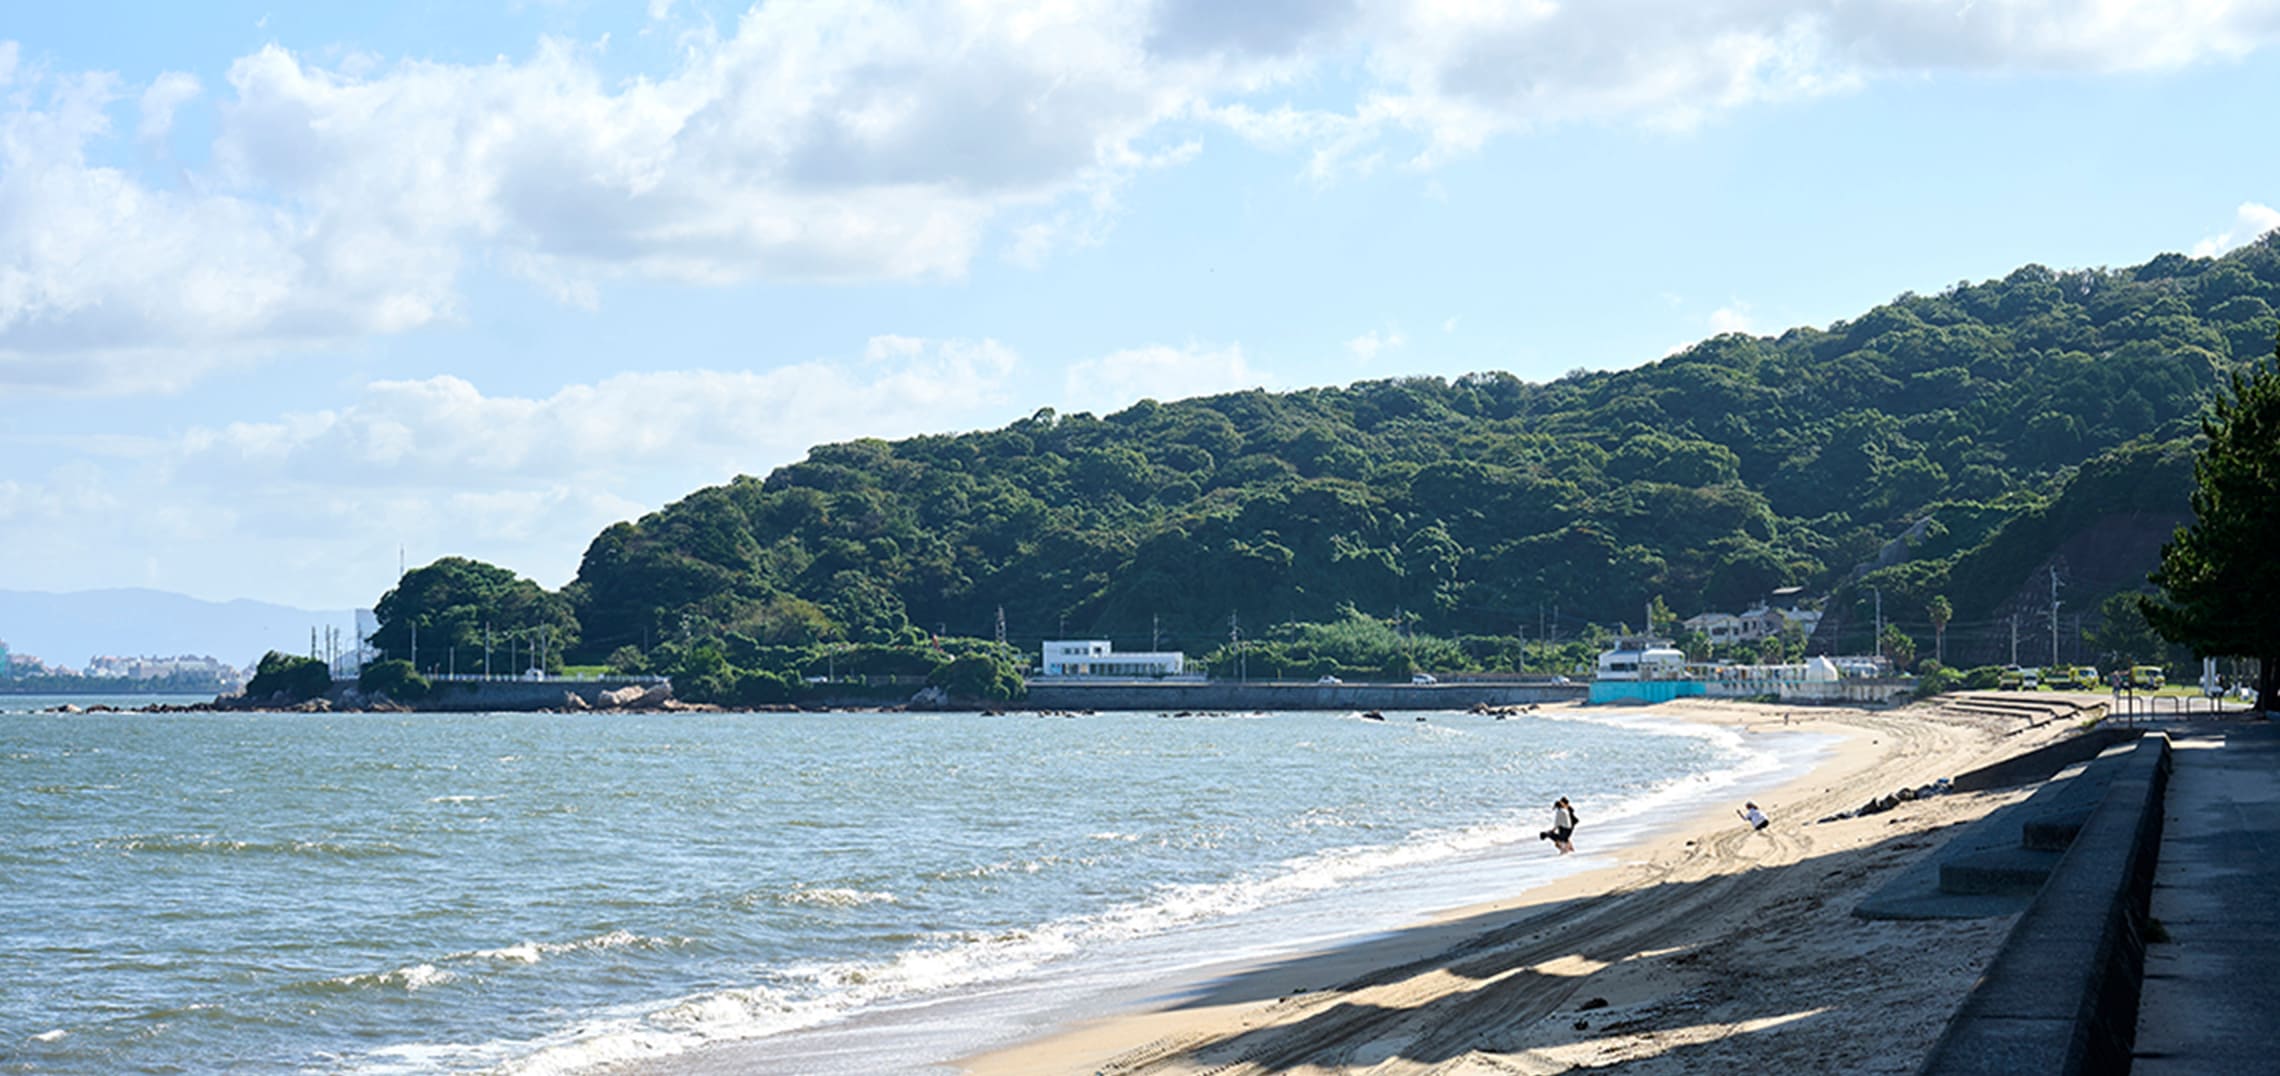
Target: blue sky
(286, 292)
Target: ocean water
(827, 892)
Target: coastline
(1706, 943)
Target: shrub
(394, 678)
(293, 679)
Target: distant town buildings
(157, 668)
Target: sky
(292, 295)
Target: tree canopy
(2219, 580)
(1973, 443)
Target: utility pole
(486, 650)
(1235, 639)
(1155, 634)
(2054, 614)
(2014, 639)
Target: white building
(1095, 657)
(1642, 659)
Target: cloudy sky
(287, 290)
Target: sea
(815, 893)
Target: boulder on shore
(635, 697)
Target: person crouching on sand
(1563, 826)
(1756, 818)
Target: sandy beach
(1709, 947)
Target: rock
(1591, 1003)
(1904, 795)
(571, 700)
(930, 696)
(620, 697)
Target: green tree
(452, 608)
(2123, 637)
(2220, 583)
(1940, 612)
(1899, 646)
(394, 678)
(987, 676)
(288, 679)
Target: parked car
(1423, 678)
(2013, 678)
(1328, 680)
(2147, 677)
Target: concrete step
(2053, 832)
(2011, 871)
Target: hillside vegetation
(1974, 443)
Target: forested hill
(1477, 506)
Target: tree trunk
(2268, 683)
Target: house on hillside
(1765, 620)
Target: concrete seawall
(2061, 995)
(1236, 695)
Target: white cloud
(443, 431)
(1449, 75)
(817, 141)
(1731, 318)
(2250, 222)
(1112, 382)
(322, 499)
(857, 141)
(1369, 345)
(166, 94)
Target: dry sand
(1708, 949)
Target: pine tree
(2220, 582)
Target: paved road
(2211, 1000)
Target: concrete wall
(1232, 695)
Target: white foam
(834, 897)
(532, 952)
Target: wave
(532, 952)
(407, 979)
(208, 844)
(834, 897)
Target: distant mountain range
(68, 628)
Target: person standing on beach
(1563, 826)
(1756, 818)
